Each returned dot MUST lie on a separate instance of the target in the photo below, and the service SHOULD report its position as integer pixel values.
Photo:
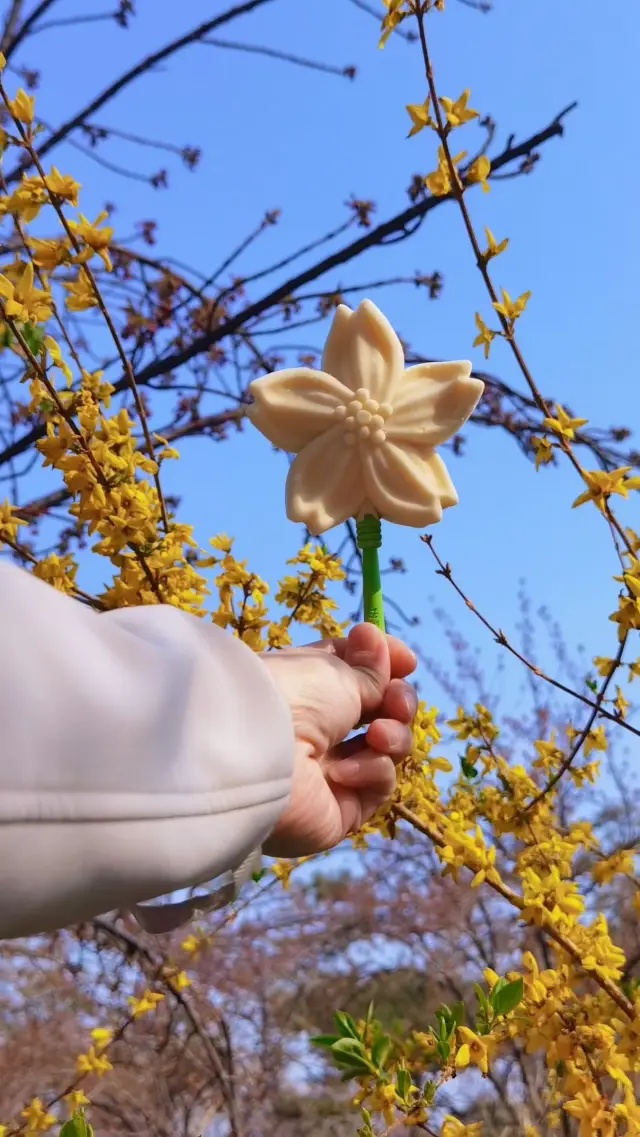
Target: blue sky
(277, 136)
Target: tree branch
(146, 64)
(13, 15)
(29, 23)
(370, 239)
(273, 53)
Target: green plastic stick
(369, 540)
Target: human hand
(331, 687)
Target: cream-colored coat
(141, 751)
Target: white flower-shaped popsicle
(363, 428)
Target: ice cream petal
(335, 345)
(440, 371)
(373, 358)
(432, 402)
(293, 406)
(408, 484)
(439, 473)
(325, 484)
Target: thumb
(367, 654)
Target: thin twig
(146, 64)
(11, 20)
(106, 315)
(71, 21)
(500, 638)
(458, 192)
(429, 830)
(158, 962)
(273, 53)
(234, 323)
(583, 734)
(28, 26)
(64, 414)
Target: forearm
(142, 751)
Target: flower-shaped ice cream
(363, 428)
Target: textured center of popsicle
(363, 419)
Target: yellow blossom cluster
(562, 1008)
(242, 608)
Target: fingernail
(364, 659)
(412, 703)
(398, 737)
(348, 770)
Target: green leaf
(457, 1015)
(346, 1024)
(498, 985)
(443, 1049)
(481, 996)
(347, 1073)
(257, 876)
(33, 337)
(77, 1126)
(508, 997)
(505, 785)
(592, 685)
(6, 337)
(468, 768)
(350, 1053)
(324, 1039)
(352, 1068)
(369, 1014)
(403, 1083)
(380, 1050)
(429, 1092)
(348, 1046)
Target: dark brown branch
(71, 21)
(273, 53)
(202, 425)
(157, 961)
(370, 239)
(106, 132)
(146, 64)
(13, 16)
(579, 741)
(330, 236)
(113, 168)
(499, 637)
(27, 27)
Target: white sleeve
(141, 751)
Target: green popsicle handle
(369, 540)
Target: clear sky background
(278, 136)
